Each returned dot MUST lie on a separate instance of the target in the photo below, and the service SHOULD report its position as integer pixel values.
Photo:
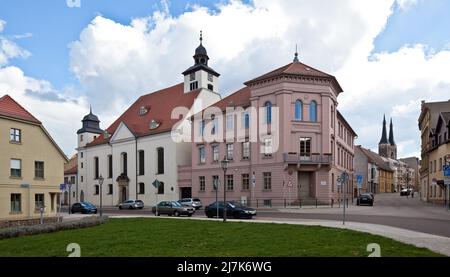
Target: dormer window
(143, 110)
(154, 124)
(210, 77)
(192, 76)
(210, 87)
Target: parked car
(84, 208)
(404, 192)
(193, 202)
(234, 210)
(131, 204)
(172, 208)
(365, 198)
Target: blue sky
(238, 38)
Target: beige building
(434, 127)
(31, 164)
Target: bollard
(332, 202)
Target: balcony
(314, 158)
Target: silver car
(193, 202)
(131, 204)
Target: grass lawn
(192, 238)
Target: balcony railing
(312, 159)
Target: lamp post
(100, 182)
(70, 186)
(343, 179)
(224, 164)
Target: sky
(58, 57)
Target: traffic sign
(62, 186)
(156, 183)
(359, 179)
(446, 170)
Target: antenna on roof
(90, 108)
(201, 37)
(296, 55)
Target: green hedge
(19, 231)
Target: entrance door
(186, 192)
(123, 194)
(304, 185)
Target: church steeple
(383, 139)
(296, 55)
(200, 75)
(391, 134)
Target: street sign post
(156, 184)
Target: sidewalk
(432, 242)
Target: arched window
(268, 106)
(298, 110)
(313, 111)
(160, 160)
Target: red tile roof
(160, 105)
(9, 107)
(294, 69)
(71, 167)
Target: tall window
(16, 203)
(38, 169)
(201, 154)
(202, 183)
(215, 150)
(215, 125)
(268, 106)
(201, 127)
(230, 119)
(96, 175)
(141, 162)
(246, 118)
(194, 85)
(268, 147)
(230, 149)
(38, 201)
(245, 181)
(160, 151)
(110, 189)
(298, 110)
(16, 168)
(141, 188)
(230, 182)
(124, 164)
(246, 150)
(96, 190)
(215, 182)
(267, 180)
(110, 166)
(313, 111)
(14, 135)
(161, 188)
(305, 148)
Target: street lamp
(224, 164)
(100, 182)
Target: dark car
(172, 208)
(404, 192)
(84, 208)
(234, 210)
(365, 199)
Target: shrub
(51, 227)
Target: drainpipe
(136, 164)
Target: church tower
(387, 148)
(200, 75)
(90, 129)
(393, 146)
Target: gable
(122, 133)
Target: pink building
(307, 147)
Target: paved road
(389, 209)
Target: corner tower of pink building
(303, 143)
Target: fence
(282, 202)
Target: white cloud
(120, 62)
(2, 25)
(406, 4)
(54, 109)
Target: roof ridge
(8, 97)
